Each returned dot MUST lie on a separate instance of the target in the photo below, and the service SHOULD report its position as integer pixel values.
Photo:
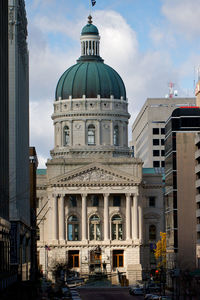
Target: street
(107, 293)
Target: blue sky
(149, 42)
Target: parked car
(136, 291)
(165, 298)
(153, 288)
(148, 296)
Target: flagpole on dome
(92, 3)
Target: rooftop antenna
(171, 89)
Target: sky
(150, 43)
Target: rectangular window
(156, 152)
(162, 164)
(162, 152)
(152, 201)
(118, 258)
(156, 164)
(162, 130)
(73, 201)
(155, 142)
(162, 142)
(95, 200)
(116, 201)
(73, 258)
(155, 130)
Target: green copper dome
(89, 29)
(90, 78)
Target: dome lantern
(90, 39)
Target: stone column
(135, 216)
(128, 216)
(62, 218)
(140, 223)
(106, 217)
(84, 216)
(55, 218)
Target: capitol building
(98, 209)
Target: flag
(47, 248)
(93, 2)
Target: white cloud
(144, 74)
(183, 16)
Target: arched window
(95, 233)
(116, 227)
(66, 136)
(73, 228)
(116, 136)
(91, 135)
(152, 232)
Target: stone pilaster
(84, 216)
(128, 216)
(106, 217)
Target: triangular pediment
(94, 173)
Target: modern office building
(180, 190)
(18, 78)
(4, 146)
(94, 207)
(197, 171)
(148, 130)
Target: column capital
(106, 195)
(84, 195)
(128, 195)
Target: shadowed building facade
(92, 195)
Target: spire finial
(89, 19)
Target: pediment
(95, 174)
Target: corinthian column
(55, 218)
(106, 218)
(84, 217)
(62, 218)
(135, 216)
(128, 216)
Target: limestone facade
(92, 196)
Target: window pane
(91, 232)
(95, 200)
(114, 261)
(155, 142)
(156, 152)
(162, 130)
(114, 232)
(120, 260)
(70, 232)
(120, 231)
(116, 201)
(73, 201)
(76, 261)
(152, 201)
(156, 164)
(155, 130)
(98, 233)
(116, 136)
(76, 232)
